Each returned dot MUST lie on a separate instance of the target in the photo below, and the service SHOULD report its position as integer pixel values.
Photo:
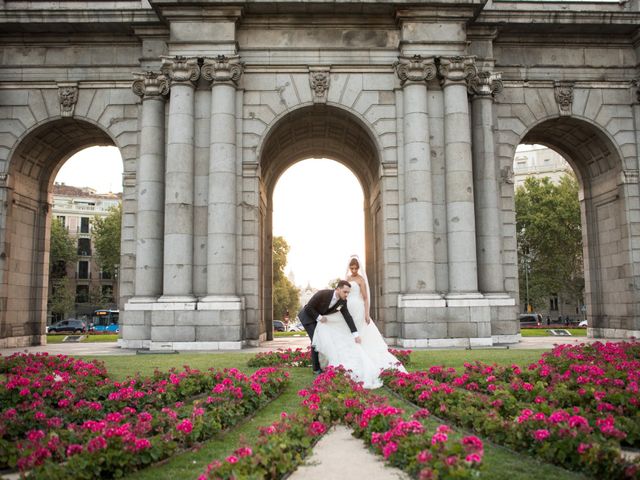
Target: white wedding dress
(336, 345)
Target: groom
(325, 302)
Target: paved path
(108, 348)
(338, 455)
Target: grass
(290, 334)
(544, 332)
(102, 337)
(500, 463)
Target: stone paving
(103, 348)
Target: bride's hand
(369, 320)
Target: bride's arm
(363, 293)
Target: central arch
(320, 131)
(600, 169)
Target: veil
(363, 273)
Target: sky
(318, 209)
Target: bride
(334, 342)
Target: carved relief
(415, 69)
(68, 97)
(3, 179)
(181, 69)
(222, 69)
(150, 84)
(319, 81)
(485, 83)
(636, 85)
(507, 176)
(564, 96)
(630, 177)
(457, 69)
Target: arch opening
(327, 132)
(33, 166)
(609, 299)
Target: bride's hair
(354, 261)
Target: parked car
(297, 327)
(583, 323)
(72, 325)
(530, 319)
(278, 326)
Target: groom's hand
(358, 340)
(323, 319)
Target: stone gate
(210, 101)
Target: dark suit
(319, 305)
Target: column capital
(415, 69)
(485, 84)
(150, 84)
(635, 84)
(179, 69)
(457, 69)
(223, 69)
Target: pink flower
(439, 438)
(389, 449)
(232, 459)
(141, 444)
(244, 452)
(424, 456)
(73, 448)
(472, 443)
(317, 428)
(541, 434)
(473, 458)
(185, 426)
(96, 443)
(583, 447)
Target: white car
(296, 327)
(583, 323)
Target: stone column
(485, 181)
(414, 72)
(178, 206)
(461, 238)
(224, 73)
(152, 87)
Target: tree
(62, 300)
(62, 249)
(106, 239)
(286, 296)
(549, 235)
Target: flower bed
(302, 358)
(333, 398)
(575, 407)
(89, 427)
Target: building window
(62, 219)
(83, 270)
(84, 224)
(105, 275)
(553, 303)
(84, 247)
(82, 293)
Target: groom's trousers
(315, 359)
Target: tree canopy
(106, 239)
(62, 249)
(286, 296)
(549, 234)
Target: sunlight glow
(97, 167)
(318, 207)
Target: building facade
(425, 102)
(75, 208)
(539, 162)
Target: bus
(105, 321)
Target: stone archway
(610, 271)
(33, 165)
(328, 132)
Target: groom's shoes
(317, 372)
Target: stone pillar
(414, 72)
(178, 207)
(224, 73)
(485, 181)
(150, 187)
(461, 238)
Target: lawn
(544, 332)
(102, 337)
(500, 463)
(290, 334)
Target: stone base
(612, 333)
(213, 325)
(456, 320)
(23, 341)
(506, 339)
